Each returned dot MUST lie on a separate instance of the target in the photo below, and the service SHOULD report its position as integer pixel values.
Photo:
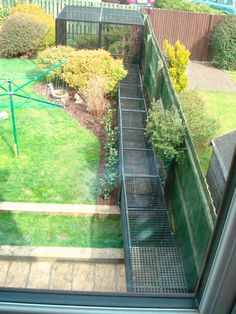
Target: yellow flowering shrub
(39, 16)
(177, 58)
(82, 65)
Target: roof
(100, 15)
(224, 147)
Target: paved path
(74, 276)
(204, 76)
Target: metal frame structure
(153, 261)
(11, 90)
(94, 20)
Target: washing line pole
(10, 94)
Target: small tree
(177, 58)
(165, 131)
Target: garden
(67, 153)
(209, 114)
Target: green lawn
(58, 159)
(52, 230)
(232, 75)
(222, 106)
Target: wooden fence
(191, 29)
(54, 7)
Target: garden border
(62, 253)
(59, 209)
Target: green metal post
(10, 94)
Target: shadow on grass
(9, 231)
(106, 232)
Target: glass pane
(149, 231)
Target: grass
(59, 158)
(232, 75)
(222, 106)
(52, 230)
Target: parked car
(226, 6)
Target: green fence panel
(189, 199)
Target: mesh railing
(153, 262)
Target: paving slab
(69, 276)
(17, 274)
(39, 275)
(105, 278)
(204, 76)
(120, 278)
(4, 265)
(61, 276)
(83, 277)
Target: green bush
(84, 64)
(202, 127)
(165, 131)
(177, 58)
(186, 5)
(224, 44)
(110, 180)
(39, 15)
(89, 41)
(21, 35)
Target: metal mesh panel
(157, 270)
(140, 162)
(132, 69)
(133, 104)
(131, 91)
(134, 119)
(132, 79)
(150, 228)
(134, 139)
(103, 15)
(144, 192)
(152, 259)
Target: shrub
(39, 16)
(53, 55)
(177, 58)
(21, 35)
(224, 44)
(110, 180)
(186, 5)
(165, 131)
(94, 94)
(84, 42)
(84, 64)
(202, 127)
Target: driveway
(204, 76)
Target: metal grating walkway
(153, 262)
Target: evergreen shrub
(224, 44)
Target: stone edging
(68, 209)
(61, 253)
